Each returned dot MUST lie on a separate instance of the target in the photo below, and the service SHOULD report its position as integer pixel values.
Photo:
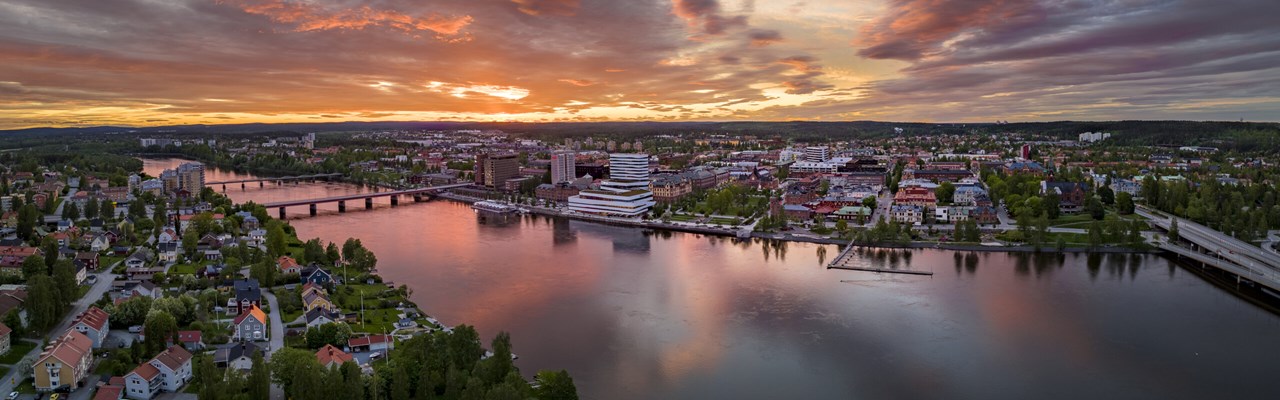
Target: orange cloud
(307, 17)
(578, 82)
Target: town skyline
(133, 63)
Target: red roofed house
(109, 392)
(64, 362)
(191, 340)
(370, 343)
(167, 372)
(288, 265)
(329, 356)
(93, 323)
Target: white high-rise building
(625, 193)
(563, 166)
(817, 153)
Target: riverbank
(739, 233)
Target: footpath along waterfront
(676, 315)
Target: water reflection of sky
(666, 315)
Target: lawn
(724, 221)
(107, 261)
(681, 217)
(18, 349)
(1082, 220)
(378, 321)
(183, 269)
(291, 316)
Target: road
(100, 287)
(1224, 245)
(277, 324)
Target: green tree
(70, 212)
(32, 266)
(869, 202)
(1124, 203)
(44, 308)
(286, 362)
(90, 209)
(313, 252)
(108, 209)
(1173, 231)
(945, 193)
(275, 238)
(331, 253)
(1107, 195)
(332, 333)
(1049, 205)
(64, 277)
(259, 383)
(160, 328)
(1095, 208)
(1095, 234)
(27, 219)
(137, 209)
(555, 385)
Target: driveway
(277, 324)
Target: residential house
(317, 300)
(329, 356)
(89, 258)
(317, 275)
(288, 265)
(168, 235)
(247, 293)
(167, 372)
(191, 340)
(114, 390)
(985, 215)
(94, 324)
(320, 316)
(375, 342)
(168, 251)
(65, 362)
(250, 325)
(5, 337)
(1132, 187)
(239, 356)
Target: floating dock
(891, 271)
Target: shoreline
(802, 239)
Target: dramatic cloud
(308, 17)
(146, 62)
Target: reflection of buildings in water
(625, 239)
(562, 231)
(496, 219)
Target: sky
(68, 63)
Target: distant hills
(1245, 135)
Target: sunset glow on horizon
(70, 63)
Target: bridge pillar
(395, 201)
(261, 183)
(368, 203)
(313, 209)
(241, 185)
(224, 188)
(342, 206)
(281, 212)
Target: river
(685, 316)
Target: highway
(1220, 250)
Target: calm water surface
(682, 316)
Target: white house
(93, 323)
(167, 372)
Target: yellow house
(314, 300)
(64, 362)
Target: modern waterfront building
(563, 166)
(625, 193)
(817, 153)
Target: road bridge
(1217, 249)
(278, 180)
(367, 197)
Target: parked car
(135, 329)
(12, 396)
